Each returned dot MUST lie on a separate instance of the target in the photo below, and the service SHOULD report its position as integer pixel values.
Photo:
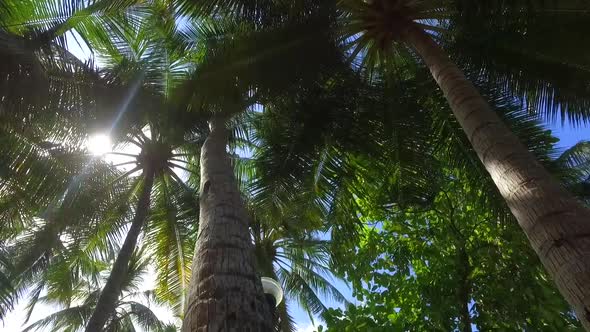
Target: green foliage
(575, 162)
(78, 297)
(288, 250)
(512, 45)
(532, 61)
(450, 264)
(332, 151)
(171, 236)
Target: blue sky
(569, 135)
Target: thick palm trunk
(111, 291)
(225, 292)
(556, 224)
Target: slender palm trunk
(112, 289)
(556, 224)
(225, 292)
(464, 291)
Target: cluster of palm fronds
(68, 217)
(342, 117)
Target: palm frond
(172, 226)
(141, 314)
(518, 59)
(63, 319)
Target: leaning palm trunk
(556, 224)
(225, 292)
(107, 301)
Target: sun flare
(99, 144)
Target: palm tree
(424, 47)
(154, 161)
(299, 261)
(217, 124)
(301, 146)
(41, 183)
(223, 266)
(220, 206)
(554, 221)
(229, 295)
(164, 148)
(79, 298)
(94, 209)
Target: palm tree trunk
(556, 224)
(464, 291)
(225, 292)
(112, 289)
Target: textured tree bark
(556, 224)
(112, 289)
(225, 291)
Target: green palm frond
(313, 270)
(92, 21)
(137, 267)
(300, 288)
(574, 167)
(63, 320)
(150, 48)
(66, 287)
(140, 314)
(105, 234)
(78, 208)
(286, 322)
(486, 12)
(34, 172)
(50, 241)
(512, 44)
(49, 86)
(300, 264)
(64, 281)
(314, 142)
(577, 159)
(525, 62)
(6, 289)
(260, 62)
(170, 237)
(261, 13)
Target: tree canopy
(336, 130)
(448, 267)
